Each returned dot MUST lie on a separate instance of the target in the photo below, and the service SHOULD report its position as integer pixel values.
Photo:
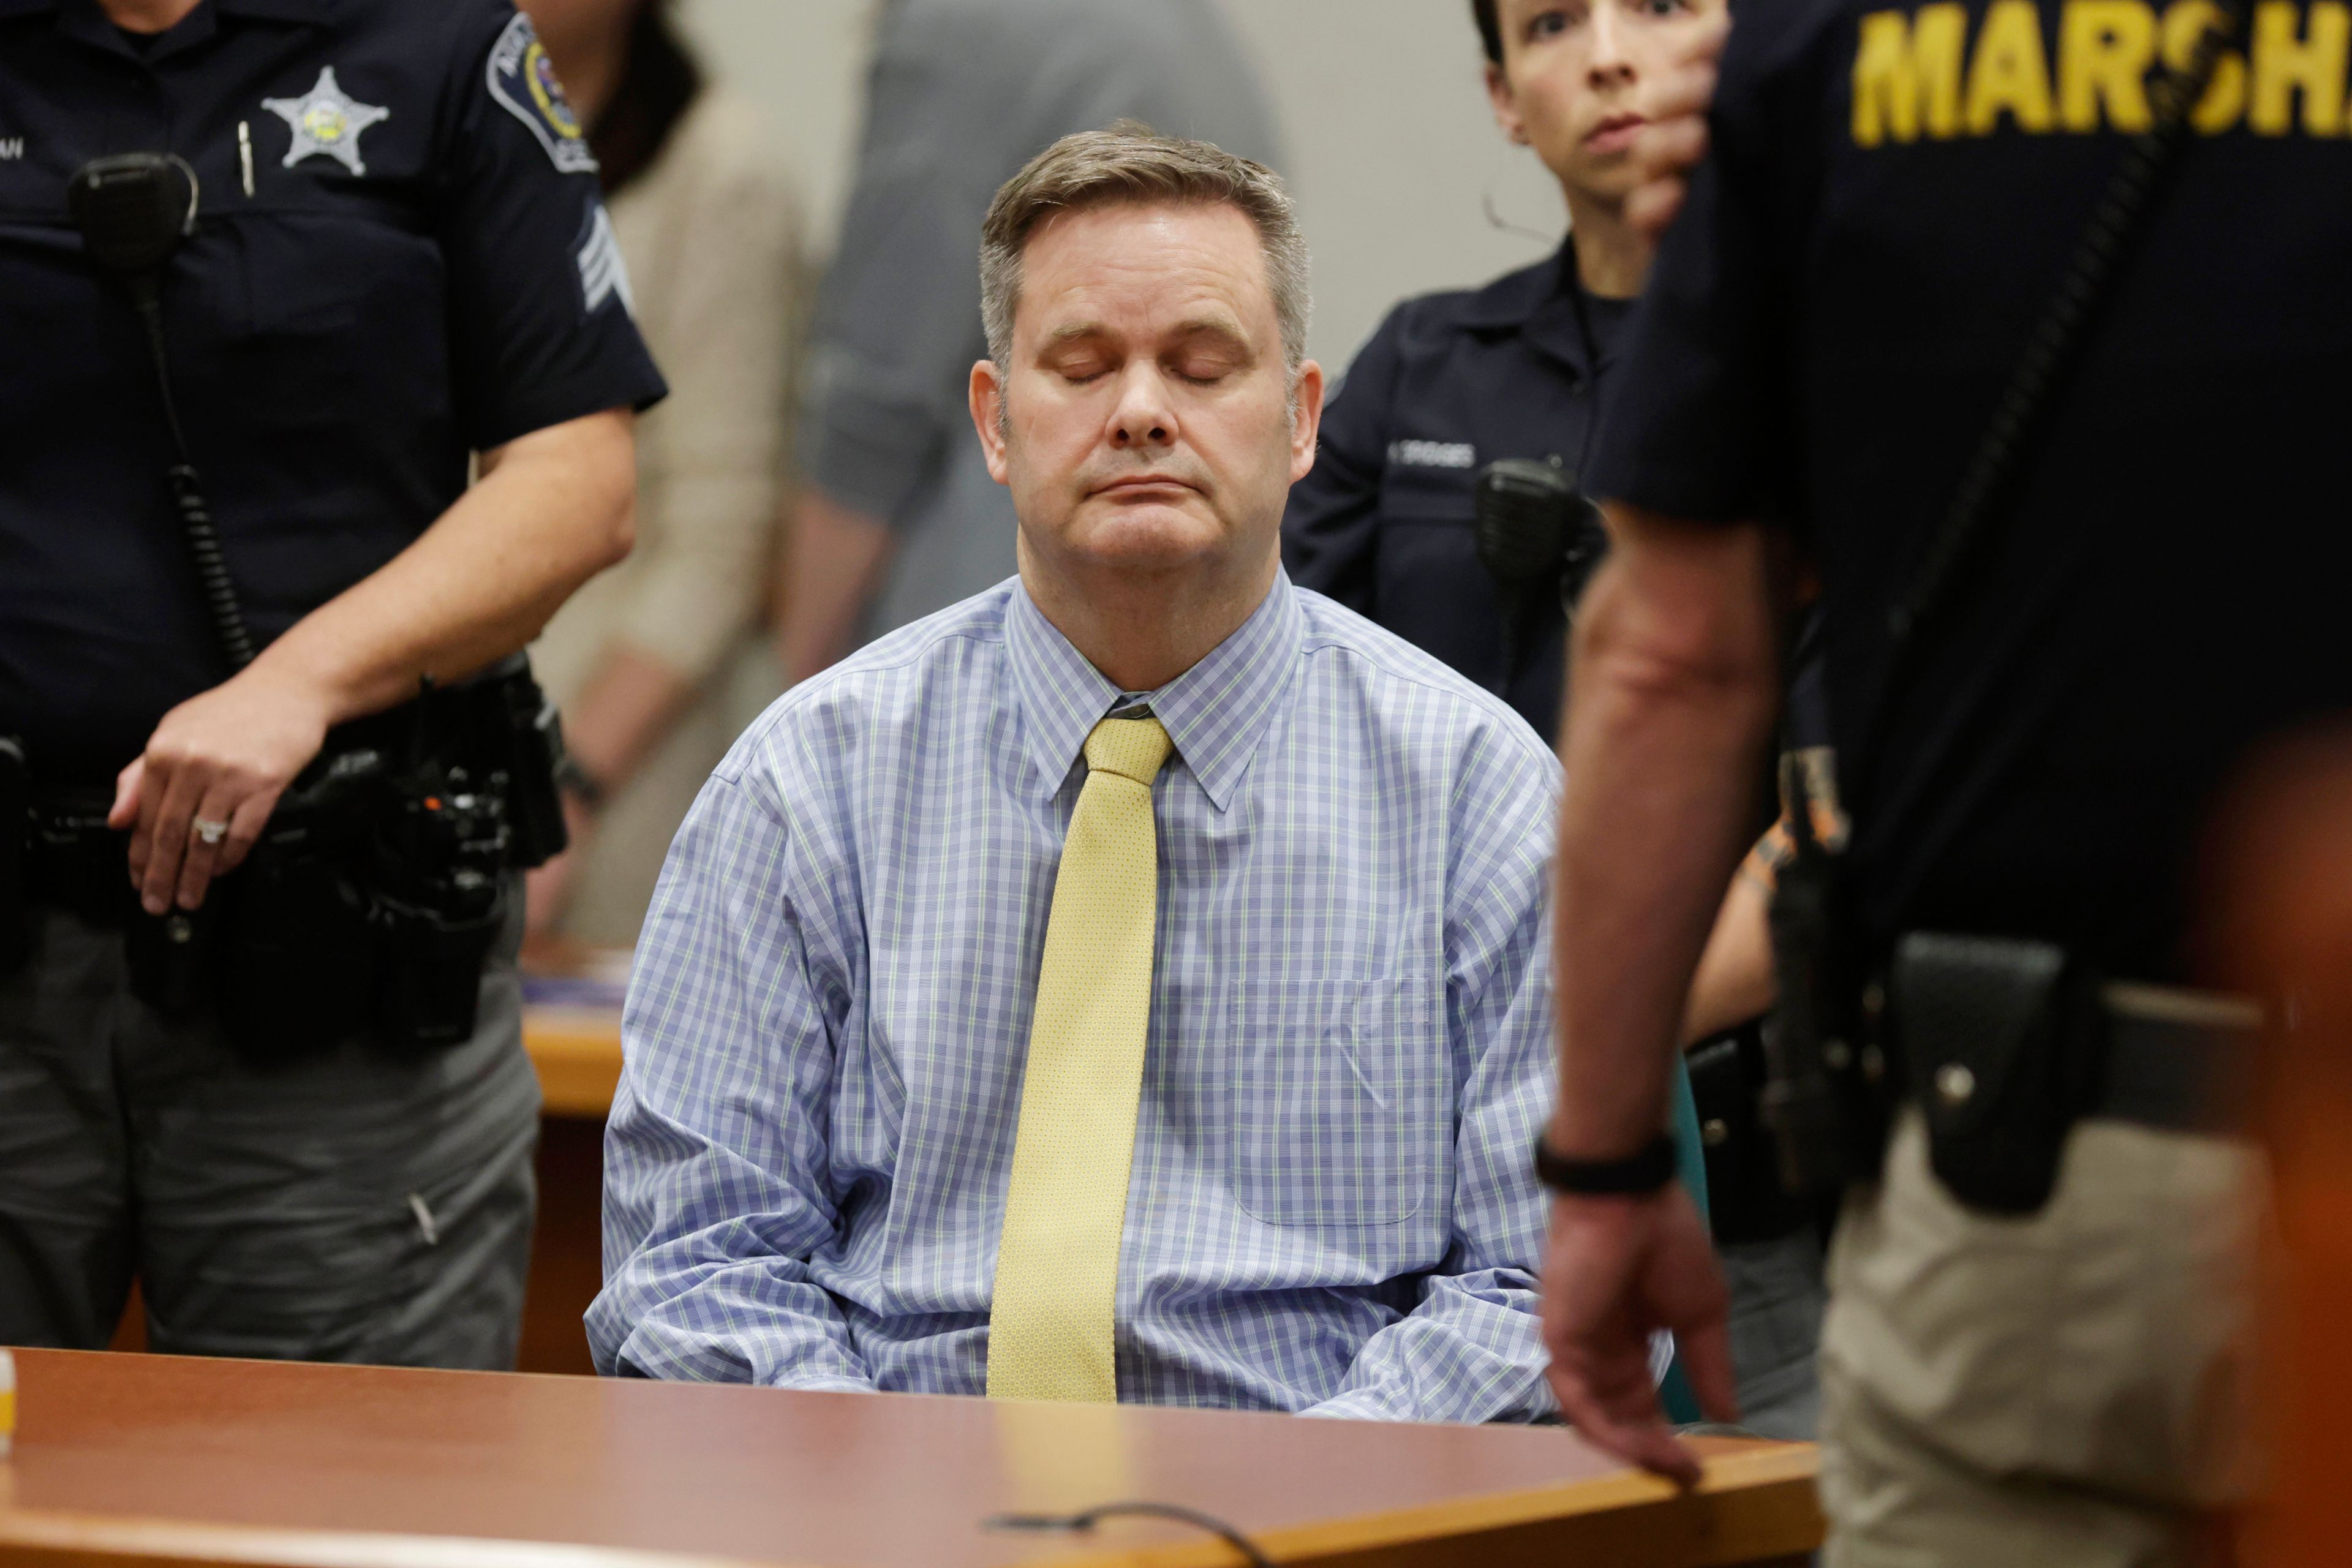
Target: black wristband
(1639, 1174)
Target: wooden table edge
(1778, 1479)
(1775, 1481)
(100, 1541)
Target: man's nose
(1143, 417)
(1609, 65)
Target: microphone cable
(1084, 1523)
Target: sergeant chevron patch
(603, 275)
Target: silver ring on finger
(209, 832)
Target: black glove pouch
(1999, 1038)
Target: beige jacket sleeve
(722, 290)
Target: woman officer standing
(1388, 523)
(1450, 383)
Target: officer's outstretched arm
(552, 509)
(1673, 687)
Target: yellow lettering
(1906, 74)
(2225, 97)
(2104, 47)
(2284, 64)
(2009, 74)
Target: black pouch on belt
(433, 970)
(1999, 1036)
(298, 956)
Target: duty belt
(2176, 1058)
(2005, 1044)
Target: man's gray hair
(1131, 163)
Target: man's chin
(1143, 537)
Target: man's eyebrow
(1214, 325)
(1218, 325)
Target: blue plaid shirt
(1348, 1054)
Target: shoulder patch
(522, 78)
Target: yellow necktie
(1049, 1330)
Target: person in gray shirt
(897, 516)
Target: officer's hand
(1675, 138)
(1617, 1268)
(224, 756)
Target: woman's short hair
(1490, 28)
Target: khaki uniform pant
(2067, 1389)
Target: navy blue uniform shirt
(1893, 196)
(419, 268)
(1384, 523)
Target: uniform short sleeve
(540, 312)
(1696, 423)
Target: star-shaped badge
(328, 121)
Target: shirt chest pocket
(1342, 1101)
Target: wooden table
(577, 1051)
(150, 1459)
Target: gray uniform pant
(2063, 1390)
(1778, 1295)
(352, 1206)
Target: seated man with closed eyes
(1128, 984)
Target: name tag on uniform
(1433, 453)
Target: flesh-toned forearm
(1673, 690)
(552, 509)
(628, 706)
(834, 559)
(1735, 981)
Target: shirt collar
(1539, 304)
(1216, 712)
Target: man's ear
(987, 396)
(1306, 419)
(1507, 105)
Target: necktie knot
(1132, 748)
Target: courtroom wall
(1390, 143)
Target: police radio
(1537, 535)
(133, 209)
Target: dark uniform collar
(1541, 303)
(279, 10)
(87, 20)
